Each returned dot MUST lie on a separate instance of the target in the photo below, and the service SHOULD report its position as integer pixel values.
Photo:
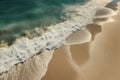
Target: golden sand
(97, 60)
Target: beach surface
(95, 60)
(91, 53)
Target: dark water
(113, 4)
(19, 15)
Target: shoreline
(45, 38)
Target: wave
(18, 16)
(55, 36)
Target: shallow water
(19, 15)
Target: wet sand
(95, 60)
(33, 69)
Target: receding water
(19, 15)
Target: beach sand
(95, 60)
(94, 55)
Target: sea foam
(23, 49)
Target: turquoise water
(19, 15)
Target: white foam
(25, 48)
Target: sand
(95, 60)
(94, 56)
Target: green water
(19, 15)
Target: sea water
(16, 16)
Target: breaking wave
(18, 16)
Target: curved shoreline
(52, 39)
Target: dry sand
(95, 60)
